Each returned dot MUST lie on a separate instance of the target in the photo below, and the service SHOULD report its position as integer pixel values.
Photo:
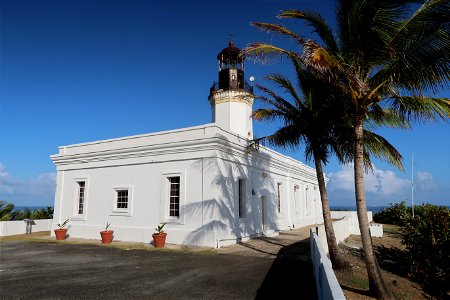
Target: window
(279, 197)
(307, 200)
(241, 198)
(174, 196)
(122, 199)
(81, 196)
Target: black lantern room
(231, 70)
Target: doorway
(263, 213)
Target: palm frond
(421, 108)
(319, 24)
(377, 146)
(266, 53)
(419, 50)
(286, 84)
(378, 116)
(317, 57)
(265, 114)
(278, 29)
(286, 137)
(280, 103)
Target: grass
(355, 282)
(44, 237)
(391, 229)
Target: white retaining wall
(326, 282)
(347, 225)
(19, 227)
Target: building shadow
(290, 275)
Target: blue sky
(78, 71)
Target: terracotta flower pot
(60, 234)
(107, 236)
(159, 240)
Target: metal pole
(412, 184)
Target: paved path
(277, 267)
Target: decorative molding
(231, 96)
(215, 141)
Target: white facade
(277, 192)
(232, 111)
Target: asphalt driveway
(267, 268)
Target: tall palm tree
(388, 54)
(313, 117)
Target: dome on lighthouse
(230, 53)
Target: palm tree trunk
(376, 283)
(335, 256)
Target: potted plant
(61, 232)
(159, 237)
(107, 235)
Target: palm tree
(388, 54)
(314, 118)
(7, 212)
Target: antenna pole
(412, 184)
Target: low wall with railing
(19, 227)
(326, 282)
(346, 226)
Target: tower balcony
(246, 87)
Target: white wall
(209, 160)
(327, 284)
(346, 226)
(19, 227)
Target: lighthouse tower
(232, 98)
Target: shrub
(427, 240)
(396, 214)
(7, 213)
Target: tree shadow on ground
(390, 259)
(291, 274)
(393, 260)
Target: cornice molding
(226, 146)
(224, 96)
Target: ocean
(374, 209)
(22, 208)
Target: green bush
(7, 213)
(396, 214)
(427, 240)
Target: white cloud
(424, 182)
(6, 181)
(35, 191)
(384, 187)
(382, 182)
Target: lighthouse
(232, 98)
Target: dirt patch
(391, 258)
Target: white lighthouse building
(200, 180)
